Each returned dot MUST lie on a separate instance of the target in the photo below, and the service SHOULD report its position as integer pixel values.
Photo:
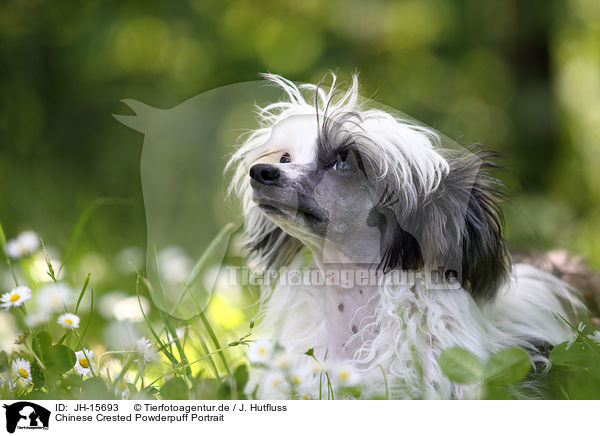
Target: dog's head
(359, 185)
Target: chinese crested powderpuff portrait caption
(330, 184)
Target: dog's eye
(341, 165)
(286, 158)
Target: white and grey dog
(330, 184)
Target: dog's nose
(265, 174)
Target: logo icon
(26, 415)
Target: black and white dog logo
(26, 415)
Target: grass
(198, 358)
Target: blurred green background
(521, 78)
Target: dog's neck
(350, 304)
(348, 312)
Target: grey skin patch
(354, 329)
(341, 307)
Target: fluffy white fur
(401, 330)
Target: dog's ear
(456, 232)
(269, 246)
(398, 247)
(461, 229)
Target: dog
(332, 186)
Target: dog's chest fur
(401, 330)
(348, 310)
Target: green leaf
(241, 377)
(461, 366)
(41, 344)
(507, 366)
(3, 361)
(174, 389)
(63, 337)
(576, 353)
(95, 389)
(497, 392)
(37, 375)
(582, 355)
(59, 359)
(227, 389)
(70, 381)
(37, 395)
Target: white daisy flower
(174, 264)
(69, 320)
(596, 336)
(22, 369)
(304, 383)
(128, 309)
(144, 348)
(16, 297)
(84, 363)
(108, 301)
(54, 297)
(345, 375)
(300, 378)
(260, 351)
(36, 319)
(275, 386)
(282, 360)
(23, 245)
(274, 379)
